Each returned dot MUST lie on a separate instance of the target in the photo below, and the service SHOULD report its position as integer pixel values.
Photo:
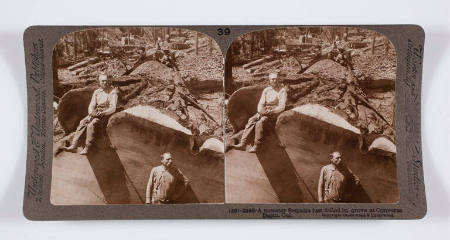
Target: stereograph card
(154, 122)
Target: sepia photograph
(137, 117)
(310, 116)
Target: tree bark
(229, 82)
(372, 48)
(55, 73)
(196, 43)
(75, 47)
(210, 46)
(386, 51)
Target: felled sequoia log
(311, 132)
(73, 106)
(383, 146)
(74, 182)
(118, 167)
(246, 180)
(308, 134)
(142, 133)
(242, 105)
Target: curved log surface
(309, 139)
(97, 178)
(117, 168)
(246, 180)
(383, 146)
(239, 113)
(73, 106)
(108, 172)
(74, 182)
(212, 147)
(140, 143)
(287, 166)
(268, 176)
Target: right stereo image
(310, 117)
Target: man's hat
(273, 75)
(102, 76)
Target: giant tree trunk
(229, 83)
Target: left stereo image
(137, 117)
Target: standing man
(271, 104)
(166, 182)
(336, 182)
(103, 104)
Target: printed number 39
(223, 31)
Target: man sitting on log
(271, 104)
(103, 104)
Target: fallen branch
(302, 90)
(273, 63)
(319, 57)
(144, 58)
(135, 92)
(83, 63)
(191, 101)
(368, 105)
(353, 91)
(193, 49)
(253, 69)
(376, 46)
(256, 62)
